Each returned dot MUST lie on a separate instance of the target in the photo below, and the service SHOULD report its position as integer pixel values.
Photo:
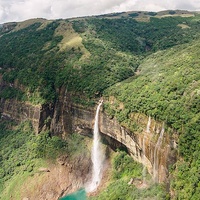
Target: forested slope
(167, 88)
(45, 55)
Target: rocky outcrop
(7, 27)
(39, 115)
(12, 109)
(20, 111)
(59, 179)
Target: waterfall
(97, 155)
(148, 125)
(156, 158)
(144, 168)
(144, 153)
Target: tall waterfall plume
(144, 168)
(148, 125)
(156, 158)
(144, 152)
(97, 155)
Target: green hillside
(46, 55)
(167, 88)
(149, 62)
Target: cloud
(1, 12)
(18, 10)
(156, 5)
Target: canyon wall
(18, 111)
(149, 146)
(39, 115)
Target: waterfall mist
(148, 125)
(144, 152)
(156, 158)
(97, 155)
(144, 168)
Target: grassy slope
(55, 56)
(86, 56)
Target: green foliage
(24, 57)
(73, 141)
(122, 191)
(106, 42)
(92, 76)
(11, 92)
(47, 146)
(22, 153)
(21, 149)
(133, 36)
(172, 12)
(124, 168)
(186, 179)
(15, 150)
(116, 190)
(186, 174)
(133, 14)
(32, 55)
(167, 88)
(151, 13)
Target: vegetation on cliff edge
(167, 88)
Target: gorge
(145, 68)
(149, 147)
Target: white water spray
(144, 168)
(144, 152)
(156, 158)
(97, 155)
(148, 125)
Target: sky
(20, 10)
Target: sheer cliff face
(63, 117)
(18, 111)
(143, 146)
(156, 150)
(39, 115)
(13, 109)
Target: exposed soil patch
(57, 179)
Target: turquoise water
(78, 195)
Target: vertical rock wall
(63, 117)
(137, 143)
(20, 111)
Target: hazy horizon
(20, 10)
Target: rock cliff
(39, 115)
(153, 146)
(146, 147)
